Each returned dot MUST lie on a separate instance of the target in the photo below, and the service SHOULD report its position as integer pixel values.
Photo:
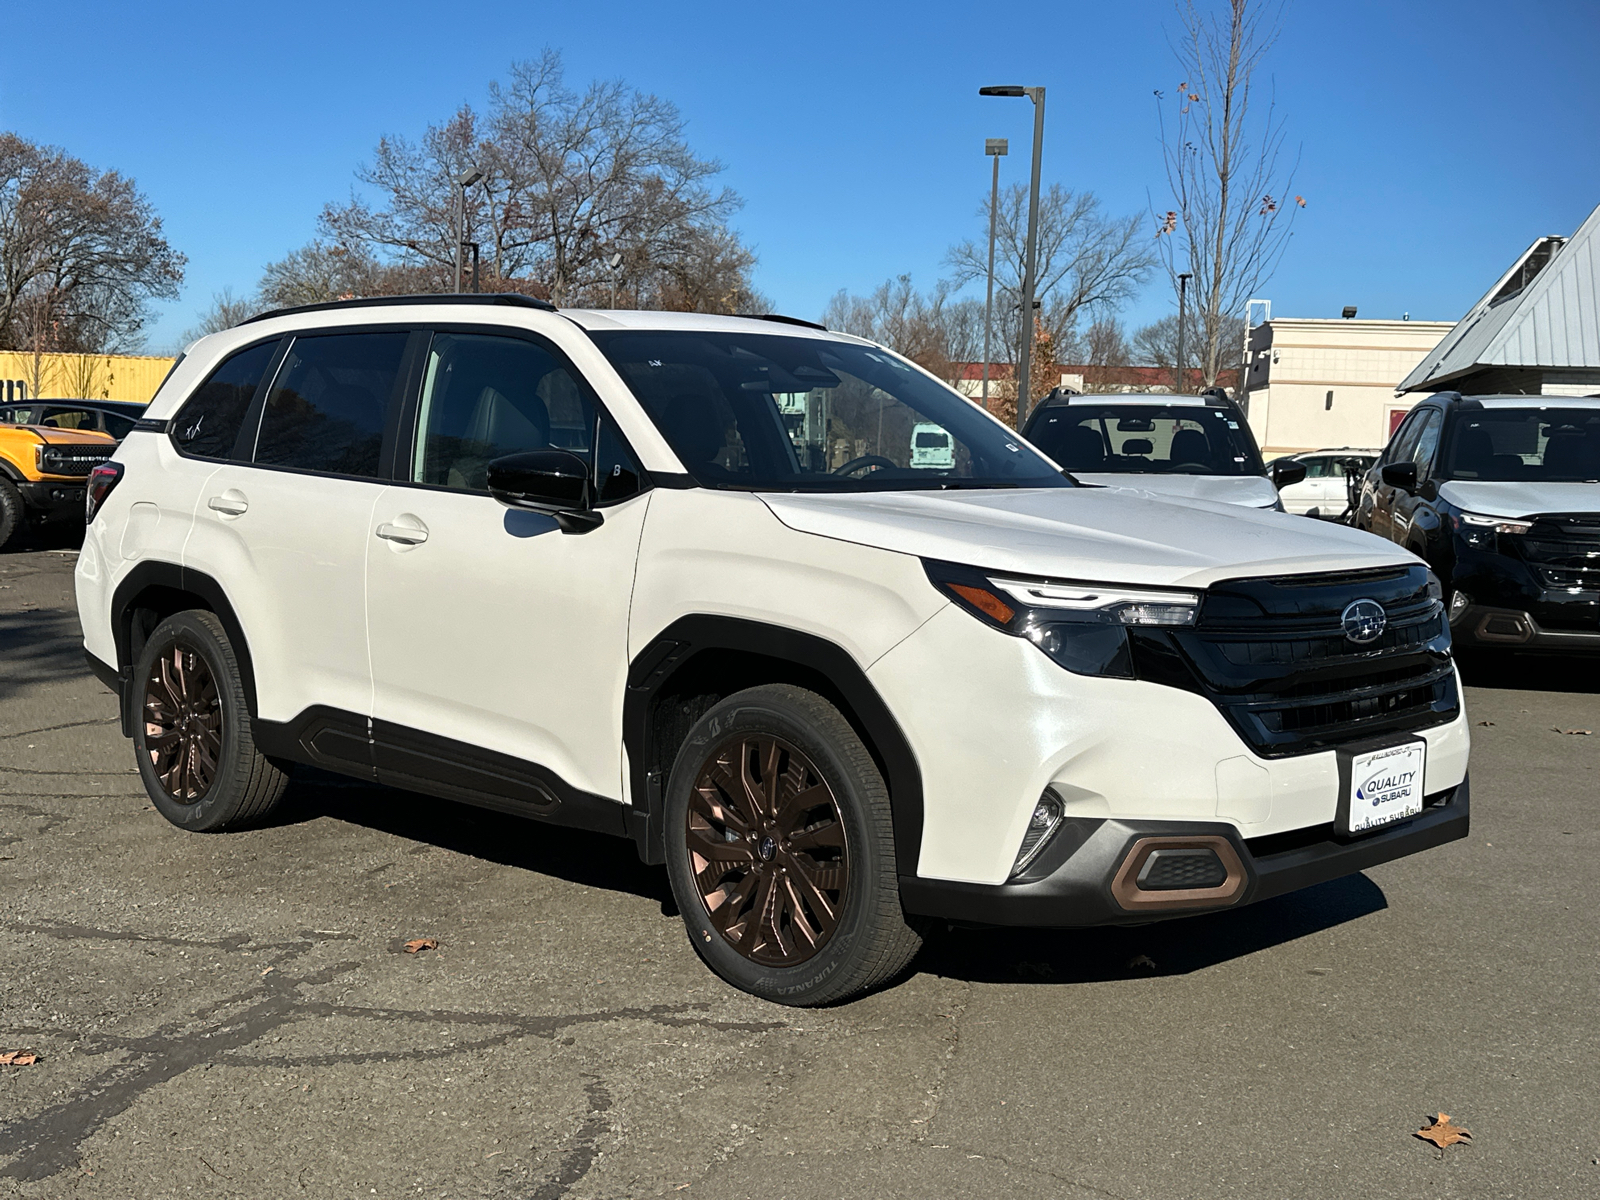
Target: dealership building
(1317, 382)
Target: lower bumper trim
(1072, 883)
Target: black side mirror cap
(1286, 472)
(1402, 475)
(556, 482)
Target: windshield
(777, 413)
(1147, 439)
(1543, 445)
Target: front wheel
(780, 849)
(196, 755)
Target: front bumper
(1519, 629)
(53, 499)
(1080, 878)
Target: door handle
(406, 535)
(231, 503)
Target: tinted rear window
(327, 406)
(208, 425)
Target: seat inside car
(1082, 449)
(1190, 446)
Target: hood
(51, 436)
(1521, 499)
(1253, 491)
(1087, 533)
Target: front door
(492, 630)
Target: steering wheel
(866, 460)
(1183, 468)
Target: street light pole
(1183, 312)
(1029, 282)
(464, 180)
(996, 148)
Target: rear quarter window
(208, 424)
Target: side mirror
(1402, 475)
(1285, 472)
(556, 482)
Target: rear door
(494, 633)
(285, 532)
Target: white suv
(676, 578)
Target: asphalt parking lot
(234, 1015)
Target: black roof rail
(512, 299)
(783, 320)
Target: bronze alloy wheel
(183, 723)
(767, 849)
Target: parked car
(43, 464)
(1184, 447)
(113, 417)
(1501, 496)
(1325, 491)
(673, 577)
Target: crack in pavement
(54, 728)
(579, 1158)
(47, 1143)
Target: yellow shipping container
(132, 377)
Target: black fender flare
(806, 657)
(171, 578)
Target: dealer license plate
(1386, 786)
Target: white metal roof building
(1536, 331)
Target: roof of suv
(595, 319)
(1519, 401)
(1161, 398)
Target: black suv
(1501, 496)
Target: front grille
(72, 460)
(1564, 551)
(1273, 656)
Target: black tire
(181, 724)
(815, 753)
(12, 515)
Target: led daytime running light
(1113, 605)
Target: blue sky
(1436, 140)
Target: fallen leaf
(417, 945)
(1485, 722)
(18, 1058)
(1442, 1133)
(1579, 732)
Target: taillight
(101, 480)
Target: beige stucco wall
(1296, 362)
(82, 376)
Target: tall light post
(464, 180)
(1036, 94)
(996, 148)
(1183, 312)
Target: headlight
(1081, 626)
(1480, 531)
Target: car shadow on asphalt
(590, 859)
(1053, 956)
(1176, 947)
(1528, 672)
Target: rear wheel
(192, 735)
(780, 849)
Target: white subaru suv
(688, 580)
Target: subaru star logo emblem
(1363, 621)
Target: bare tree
(1087, 262)
(1223, 159)
(81, 253)
(1156, 345)
(225, 311)
(934, 331)
(571, 181)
